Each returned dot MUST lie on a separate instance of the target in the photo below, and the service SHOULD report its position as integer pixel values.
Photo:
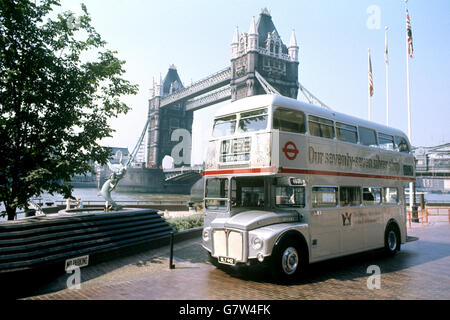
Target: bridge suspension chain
(266, 85)
(138, 144)
(311, 98)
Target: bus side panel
(275, 149)
(292, 150)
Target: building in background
(433, 168)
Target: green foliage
(185, 223)
(54, 103)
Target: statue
(118, 172)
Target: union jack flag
(409, 34)
(370, 77)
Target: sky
(333, 36)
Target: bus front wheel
(288, 261)
(213, 260)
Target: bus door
(374, 222)
(324, 219)
(351, 222)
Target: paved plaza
(421, 270)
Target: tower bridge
(259, 52)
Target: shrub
(185, 223)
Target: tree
(54, 102)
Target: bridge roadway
(421, 270)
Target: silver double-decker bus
(290, 184)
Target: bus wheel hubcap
(289, 260)
(392, 240)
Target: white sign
(77, 262)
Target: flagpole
(408, 92)
(387, 76)
(411, 184)
(369, 102)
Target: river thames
(91, 195)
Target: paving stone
(420, 271)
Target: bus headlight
(257, 243)
(206, 235)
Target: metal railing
(127, 202)
(215, 97)
(423, 214)
(198, 87)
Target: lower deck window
(216, 204)
(390, 195)
(371, 196)
(216, 194)
(323, 197)
(286, 196)
(247, 192)
(350, 196)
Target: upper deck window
(224, 126)
(367, 137)
(401, 145)
(386, 141)
(346, 132)
(253, 121)
(321, 127)
(289, 120)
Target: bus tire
(288, 260)
(392, 239)
(213, 260)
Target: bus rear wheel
(391, 240)
(288, 261)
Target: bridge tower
(171, 105)
(262, 50)
(163, 121)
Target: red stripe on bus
(343, 174)
(239, 171)
(303, 171)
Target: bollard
(415, 214)
(426, 215)
(422, 205)
(409, 219)
(171, 265)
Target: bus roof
(259, 101)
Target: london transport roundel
(290, 150)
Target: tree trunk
(11, 212)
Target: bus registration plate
(225, 260)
